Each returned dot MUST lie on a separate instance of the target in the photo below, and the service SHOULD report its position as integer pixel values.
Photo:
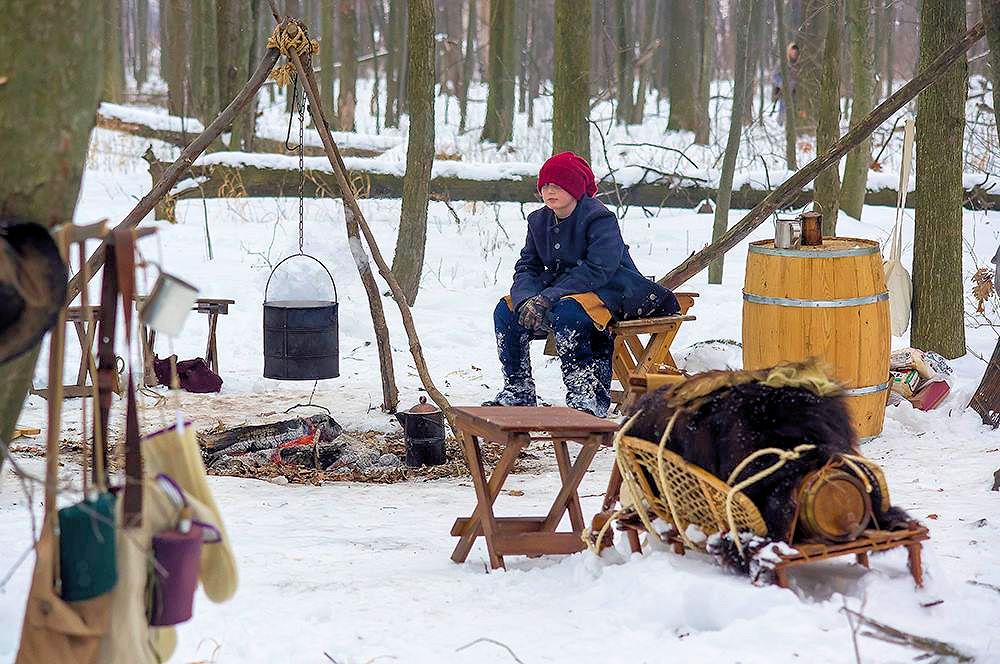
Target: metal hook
(295, 84)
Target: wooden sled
(665, 486)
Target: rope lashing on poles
(290, 38)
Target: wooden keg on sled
(833, 506)
(829, 302)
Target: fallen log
(181, 131)
(238, 175)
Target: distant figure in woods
(777, 92)
(573, 278)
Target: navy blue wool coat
(585, 253)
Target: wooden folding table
(516, 428)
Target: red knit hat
(569, 171)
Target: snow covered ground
(362, 572)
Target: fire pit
(313, 443)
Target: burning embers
(310, 444)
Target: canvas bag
(56, 631)
(897, 279)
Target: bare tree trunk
(852, 195)
(938, 302)
(114, 63)
(684, 68)
(374, 103)
(827, 188)
(408, 262)
(890, 45)
(571, 78)
(205, 62)
(533, 64)
(250, 57)
(878, 44)
(810, 38)
(645, 62)
(743, 65)
(403, 61)
(141, 43)
(624, 59)
(468, 61)
(232, 23)
(523, 19)
(327, 50)
(44, 149)
(177, 17)
(347, 94)
(757, 47)
(707, 60)
(788, 92)
(991, 17)
(394, 68)
(661, 60)
(199, 47)
(499, 126)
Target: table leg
(90, 359)
(149, 378)
(575, 511)
(482, 520)
(913, 562)
(211, 352)
(613, 492)
(568, 490)
(86, 340)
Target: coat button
(652, 296)
(557, 245)
(557, 229)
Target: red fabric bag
(194, 375)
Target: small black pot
(423, 428)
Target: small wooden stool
(516, 428)
(633, 356)
(211, 307)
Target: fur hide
(727, 415)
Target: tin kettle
(424, 420)
(423, 428)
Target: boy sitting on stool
(573, 278)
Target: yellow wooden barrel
(829, 302)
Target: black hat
(33, 280)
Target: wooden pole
(697, 262)
(354, 215)
(172, 174)
(390, 393)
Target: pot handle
(336, 297)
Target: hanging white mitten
(897, 279)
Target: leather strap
(132, 505)
(124, 241)
(106, 369)
(119, 279)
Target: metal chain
(302, 166)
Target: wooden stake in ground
(697, 262)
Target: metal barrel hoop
(336, 296)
